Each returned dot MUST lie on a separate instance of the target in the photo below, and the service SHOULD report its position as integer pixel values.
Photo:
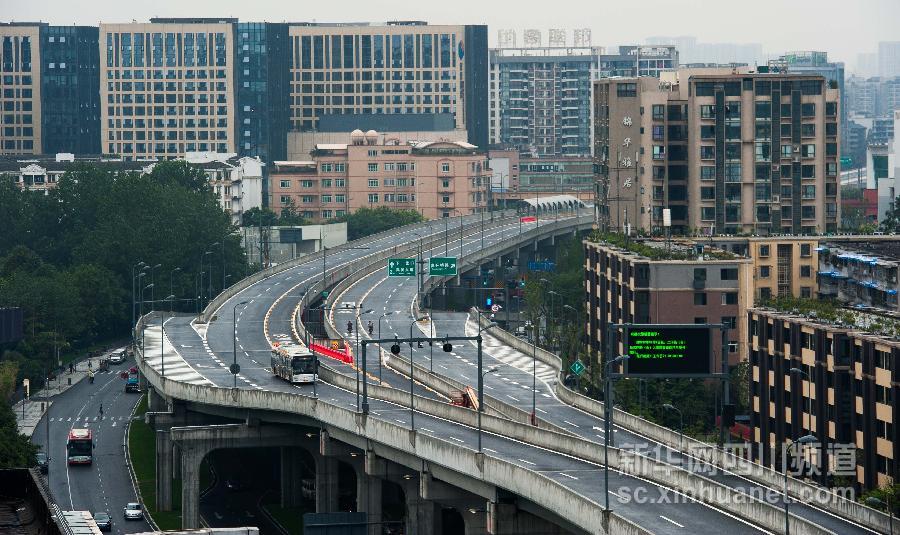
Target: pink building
(435, 178)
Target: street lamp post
(481, 375)
(575, 314)
(162, 335)
(808, 439)
(144, 325)
(134, 298)
(153, 281)
(481, 378)
(388, 313)
(209, 279)
(412, 412)
(872, 501)
(172, 280)
(671, 407)
(607, 405)
(358, 314)
(200, 290)
(234, 340)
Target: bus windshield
(303, 364)
(79, 447)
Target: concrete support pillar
(155, 402)
(326, 484)
(190, 486)
(176, 466)
(368, 500)
(164, 470)
(420, 513)
(475, 523)
(291, 477)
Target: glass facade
(70, 79)
(262, 90)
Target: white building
(882, 170)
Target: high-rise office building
(889, 59)
(70, 89)
(397, 76)
(167, 87)
(20, 88)
(727, 152)
(262, 91)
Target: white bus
(295, 364)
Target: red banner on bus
(528, 219)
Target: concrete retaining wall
(812, 494)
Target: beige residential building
(20, 88)
(727, 152)
(167, 87)
(782, 266)
(437, 179)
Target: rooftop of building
(863, 320)
(885, 253)
(661, 250)
(65, 161)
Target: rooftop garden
(656, 249)
(830, 311)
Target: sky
(843, 28)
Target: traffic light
(447, 347)
(522, 282)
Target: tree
(255, 217)
(289, 215)
(891, 221)
(16, 451)
(367, 221)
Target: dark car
(104, 522)
(43, 462)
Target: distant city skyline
(828, 25)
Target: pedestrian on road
(71, 368)
(371, 328)
(90, 364)
(101, 410)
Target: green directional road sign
(401, 267)
(577, 367)
(442, 265)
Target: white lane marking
(457, 439)
(512, 398)
(570, 423)
(671, 521)
(528, 462)
(567, 475)
(490, 450)
(540, 410)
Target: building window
(805, 292)
(373, 167)
(764, 272)
(699, 298)
(700, 320)
(732, 347)
(729, 298)
(326, 167)
(707, 172)
(658, 112)
(805, 250)
(707, 111)
(808, 151)
(700, 274)
(326, 199)
(730, 322)
(285, 199)
(445, 167)
(626, 90)
(805, 271)
(372, 153)
(340, 167)
(729, 274)
(373, 198)
(659, 152)
(707, 152)
(765, 293)
(373, 182)
(764, 251)
(285, 183)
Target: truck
(131, 381)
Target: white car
(133, 511)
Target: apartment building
(168, 87)
(516, 176)
(646, 281)
(435, 178)
(842, 388)
(411, 75)
(729, 152)
(541, 99)
(782, 266)
(861, 273)
(20, 88)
